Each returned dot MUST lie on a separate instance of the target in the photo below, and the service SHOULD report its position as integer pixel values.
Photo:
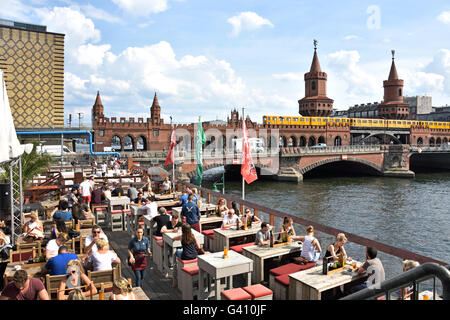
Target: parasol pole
(242, 149)
(173, 164)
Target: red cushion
(100, 209)
(239, 247)
(191, 269)
(258, 290)
(126, 210)
(157, 238)
(160, 243)
(116, 211)
(211, 236)
(141, 223)
(208, 232)
(283, 279)
(184, 262)
(291, 268)
(235, 294)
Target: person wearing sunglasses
(75, 278)
(90, 241)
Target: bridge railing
(332, 149)
(212, 197)
(440, 148)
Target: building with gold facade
(32, 60)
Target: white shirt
(151, 208)
(227, 220)
(102, 261)
(89, 240)
(53, 248)
(166, 185)
(104, 167)
(85, 187)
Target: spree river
(412, 214)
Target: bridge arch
(302, 141)
(311, 141)
(319, 163)
(381, 135)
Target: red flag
(248, 170)
(171, 156)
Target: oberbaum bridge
(288, 155)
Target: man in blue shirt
(191, 212)
(184, 197)
(63, 213)
(57, 265)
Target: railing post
(272, 220)
(255, 211)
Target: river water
(411, 214)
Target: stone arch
(311, 141)
(432, 141)
(272, 142)
(337, 141)
(184, 137)
(282, 142)
(321, 139)
(141, 143)
(445, 141)
(292, 142)
(438, 141)
(302, 141)
(116, 143)
(128, 143)
(338, 159)
(419, 141)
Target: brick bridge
(291, 163)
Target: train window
(364, 121)
(409, 122)
(404, 122)
(358, 121)
(280, 118)
(325, 120)
(375, 121)
(295, 119)
(370, 121)
(337, 120)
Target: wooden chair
(70, 244)
(69, 224)
(38, 244)
(88, 223)
(22, 255)
(52, 283)
(106, 277)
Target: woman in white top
(34, 228)
(122, 290)
(311, 247)
(51, 250)
(166, 185)
(103, 258)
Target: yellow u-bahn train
(353, 122)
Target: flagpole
(243, 133)
(173, 164)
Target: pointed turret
(315, 65)
(155, 111)
(155, 101)
(98, 100)
(393, 73)
(97, 109)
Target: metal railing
(334, 149)
(409, 278)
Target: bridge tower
(393, 106)
(97, 109)
(155, 112)
(315, 103)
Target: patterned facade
(33, 63)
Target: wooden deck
(155, 286)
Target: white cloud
(99, 14)
(444, 17)
(289, 76)
(92, 55)
(14, 9)
(146, 24)
(142, 7)
(247, 21)
(351, 37)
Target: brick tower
(155, 112)
(315, 103)
(393, 106)
(97, 109)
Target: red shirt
(35, 286)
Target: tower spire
(393, 75)
(315, 65)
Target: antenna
(393, 54)
(315, 44)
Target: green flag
(201, 139)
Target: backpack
(4, 251)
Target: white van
(256, 144)
(54, 150)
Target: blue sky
(206, 57)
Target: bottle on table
(271, 239)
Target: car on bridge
(319, 146)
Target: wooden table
(168, 196)
(309, 284)
(33, 270)
(168, 239)
(210, 222)
(259, 253)
(222, 236)
(215, 266)
(116, 201)
(136, 290)
(167, 203)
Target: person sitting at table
(221, 207)
(97, 194)
(161, 220)
(235, 207)
(166, 185)
(138, 247)
(150, 207)
(189, 243)
(311, 247)
(117, 190)
(5, 246)
(373, 267)
(57, 265)
(52, 248)
(230, 220)
(76, 278)
(63, 211)
(106, 191)
(263, 236)
(173, 225)
(91, 240)
(191, 212)
(122, 290)
(140, 198)
(103, 258)
(250, 217)
(33, 229)
(77, 213)
(337, 248)
(132, 192)
(59, 226)
(286, 229)
(408, 291)
(24, 288)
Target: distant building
(419, 105)
(32, 61)
(368, 110)
(438, 114)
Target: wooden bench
(52, 283)
(157, 253)
(105, 277)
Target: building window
(313, 85)
(399, 92)
(155, 133)
(101, 133)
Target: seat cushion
(191, 269)
(211, 236)
(291, 268)
(160, 243)
(258, 290)
(116, 211)
(239, 247)
(235, 294)
(283, 279)
(208, 232)
(157, 238)
(183, 262)
(100, 209)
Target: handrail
(424, 270)
(398, 252)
